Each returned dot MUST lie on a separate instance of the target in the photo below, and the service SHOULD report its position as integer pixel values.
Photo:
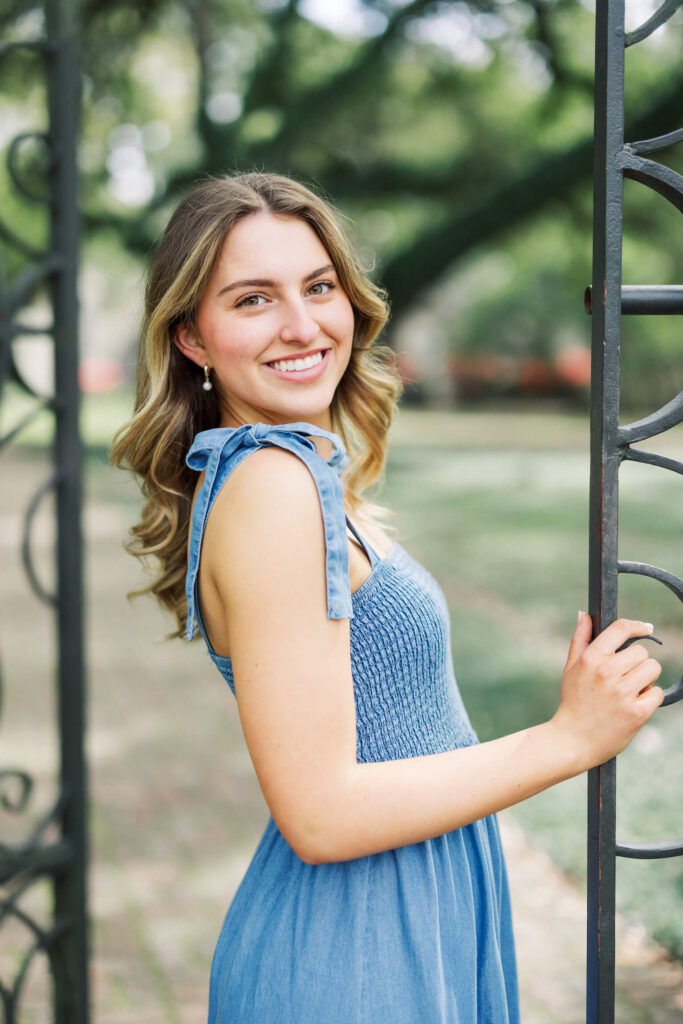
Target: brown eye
(322, 284)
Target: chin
(292, 408)
(316, 416)
(304, 411)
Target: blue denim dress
(422, 933)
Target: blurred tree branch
(489, 166)
(552, 178)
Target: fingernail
(578, 618)
(650, 627)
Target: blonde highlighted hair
(171, 407)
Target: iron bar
(663, 419)
(604, 481)
(673, 694)
(43, 860)
(60, 861)
(23, 423)
(650, 851)
(652, 459)
(30, 279)
(37, 587)
(607, 300)
(41, 45)
(15, 801)
(71, 975)
(662, 14)
(25, 248)
(658, 177)
(669, 579)
(15, 177)
(644, 299)
(660, 142)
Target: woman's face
(274, 297)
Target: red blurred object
(479, 374)
(98, 375)
(406, 368)
(536, 375)
(573, 365)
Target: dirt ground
(176, 811)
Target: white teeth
(298, 364)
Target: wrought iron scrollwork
(39, 940)
(611, 444)
(49, 848)
(660, 16)
(15, 790)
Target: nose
(298, 324)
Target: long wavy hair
(171, 407)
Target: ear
(185, 339)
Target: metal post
(70, 887)
(41, 855)
(604, 480)
(607, 301)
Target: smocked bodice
(406, 696)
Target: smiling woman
(378, 892)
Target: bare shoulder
(265, 487)
(265, 525)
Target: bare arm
(264, 556)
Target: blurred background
(456, 137)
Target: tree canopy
(448, 130)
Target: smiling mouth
(298, 363)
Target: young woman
(378, 893)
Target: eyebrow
(262, 282)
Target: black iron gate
(52, 849)
(611, 444)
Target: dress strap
(373, 557)
(217, 452)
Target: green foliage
(454, 131)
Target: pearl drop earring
(207, 385)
